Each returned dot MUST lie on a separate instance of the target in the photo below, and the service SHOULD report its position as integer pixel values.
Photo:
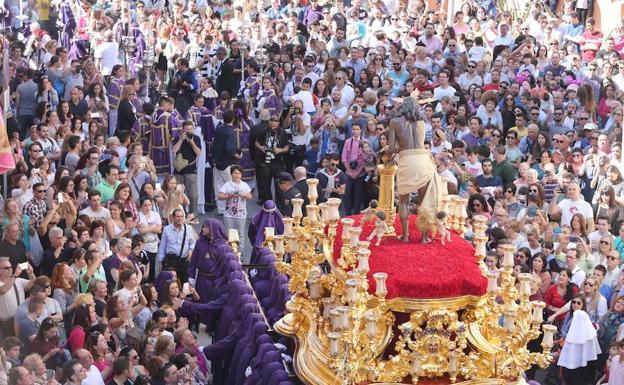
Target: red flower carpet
(421, 271)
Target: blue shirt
(171, 242)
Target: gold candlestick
(387, 173)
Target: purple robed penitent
(114, 92)
(68, 23)
(139, 52)
(205, 258)
(164, 124)
(140, 130)
(269, 216)
(241, 133)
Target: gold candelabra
(345, 332)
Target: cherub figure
(370, 211)
(381, 228)
(445, 234)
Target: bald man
(85, 358)
(301, 184)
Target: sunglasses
(511, 137)
(559, 141)
(589, 284)
(577, 302)
(605, 242)
(612, 258)
(509, 191)
(496, 135)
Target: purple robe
(271, 300)
(259, 364)
(251, 88)
(139, 131)
(263, 280)
(269, 216)
(271, 102)
(203, 263)
(69, 25)
(236, 375)
(139, 52)
(114, 92)
(264, 342)
(220, 352)
(136, 102)
(277, 311)
(241, 132)
(164, 124)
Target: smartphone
(158, 186)
(60, 198)
(23, 265)
(573, 239)
(35, 171)
(532, 211)
(49, 375)
(95, 115)
(186, 288)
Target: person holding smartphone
(236, 193)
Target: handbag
(179, 163)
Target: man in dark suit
(256, 133)
(225, 73)
(225, 154)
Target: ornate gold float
(344, 334)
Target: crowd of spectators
(130, 120)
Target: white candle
(327, 307)
(324, 212)
(269, 233)
(233, 236)
(313, 213)
(525, 284)
(334, 315)
(279, 244)
(509, 322)
(343, 318)
(380, 284)
(480, 246)
(355, 236)
(414, 365)
(547, 340)
(294, 247)
(288, 226)
(333, 338)
(297, 205)
(334, 204)
(538, 312)
(371, 324)
(452, 355)
(315, 288)
(312, 190)
(363, 255)
(508, 256)
(347, 224)
(352, 288)
(492, 282)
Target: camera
(297, 111)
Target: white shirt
(507, 40)
(235, 207)
(8, 301)
(94, 377)
(569, 208)
(107, 52)
(307, 100)
(578, 276)
(440, 92)
(151, 239)
(103, 214)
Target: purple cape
(268, 217)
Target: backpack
(59, 86)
